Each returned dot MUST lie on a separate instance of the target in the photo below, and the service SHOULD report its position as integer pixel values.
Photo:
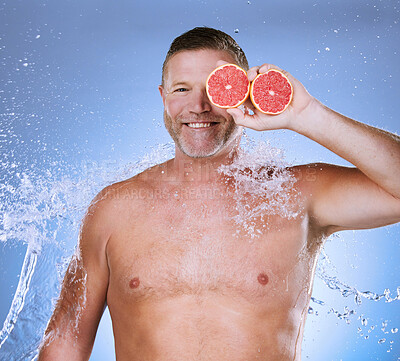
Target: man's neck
(203, 170)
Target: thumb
(237, 115)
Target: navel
(134, 282)
(262, 278)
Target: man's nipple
(134, 282)
(262, 278)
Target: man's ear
(162, 93)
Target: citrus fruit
(228, 86)
(271, 92)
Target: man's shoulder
(109, 208)
(313, 179)
(128, 191)
(316, 171)
(114, 207)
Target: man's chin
(194, 152)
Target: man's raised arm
(72, 328)
(367, 196)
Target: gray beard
(232, 132)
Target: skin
(181, 279)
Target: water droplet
(327, 49)
(394, 330)
(319, 302)
(364, 322)
(236, 31)
(382, 340)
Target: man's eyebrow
(177, 83)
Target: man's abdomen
(200, 328)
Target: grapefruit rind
(257, 105)
(214, 97)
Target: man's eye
(180, 90)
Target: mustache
(205, 118)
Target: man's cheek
(172, 107)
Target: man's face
(198, 128)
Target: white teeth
(199, 125)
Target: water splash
(327, 272)
(18, 303)
(324, 272)
(260, 171)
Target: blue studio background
(79, 95)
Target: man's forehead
(186, 62)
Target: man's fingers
(252, 72)
(265, 67)
(237, 115)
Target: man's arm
(72, 328)
(367, 196)
(340, 198)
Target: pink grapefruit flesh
(228, 86)
(271, 92)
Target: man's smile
(198, 125)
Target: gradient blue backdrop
(79, 84)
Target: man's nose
(199, 101)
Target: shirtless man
(181, 279)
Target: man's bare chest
(201, 249)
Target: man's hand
(295, 113)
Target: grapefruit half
(271, 92)
(228, 86)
